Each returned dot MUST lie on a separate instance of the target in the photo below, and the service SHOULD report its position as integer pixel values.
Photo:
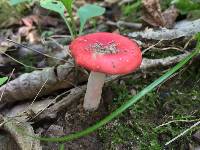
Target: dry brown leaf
(18, 131)
(153, 15)
(48, 21)
(30, 33)
(33, 37)
(29, 21)
(4, 46)
(24, 31)
(170, 16)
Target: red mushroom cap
(108, 53)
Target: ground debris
(184, 29)
(153, 15)
(17, 130)
(55, 130)
(29, 84)
(196, 136)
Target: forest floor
(161, 115)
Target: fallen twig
(27, 85)
(125, 1)
(32, 49)
(183, 133)
(45, 109)
(51, 112)
(150, 63)
(185, 30)
(131, 25)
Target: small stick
(21, 45)
(125, 24)
(7, 82)
(183, 133)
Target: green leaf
(3, 80)
(186, 6)
(68, 5)
(15, 2)
(56, 6)
(53, 5)
(88, 11)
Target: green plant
(131, 8)
(88, 11)
(3, 80)
(9, 14)
(186, 6)
(15, 2)
(85, 12)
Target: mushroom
(104, 53)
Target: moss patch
(159, 116)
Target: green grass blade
(68, 5)
(62, 147)
(121, 109)
(3, 80)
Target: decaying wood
(5, 139)
(16, 129)
(120, 24)
(184, 29)
(45, 109)
(51, 112)
(28, 85)
(150, 63)
(26, 111)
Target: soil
(75, 119)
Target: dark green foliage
(185, 6)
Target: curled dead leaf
(30, 33)
(153, 15)
(33, 20)
(170, 16)
(4, 46)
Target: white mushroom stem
(94, 90)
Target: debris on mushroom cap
(108, 53)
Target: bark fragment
(28, 85)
